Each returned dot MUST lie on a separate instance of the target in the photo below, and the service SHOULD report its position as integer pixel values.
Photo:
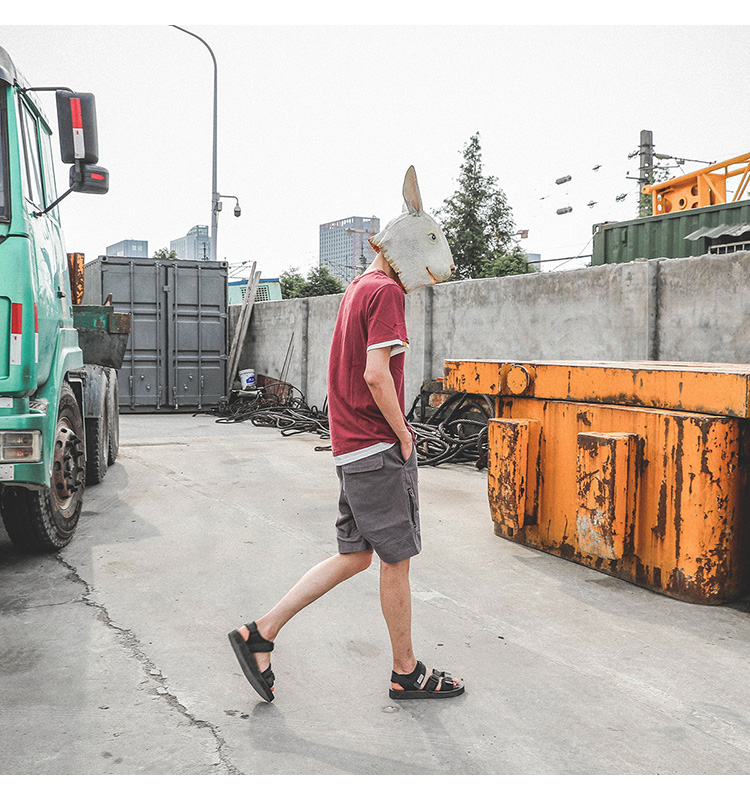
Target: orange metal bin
(636, 469)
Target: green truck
(58, 408)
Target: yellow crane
(704, 187)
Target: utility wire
(574, 257)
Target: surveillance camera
(237, 210)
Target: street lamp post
(215, 196)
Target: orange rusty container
(636, 469)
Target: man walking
(374, 453)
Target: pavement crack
(51, 605)
(133, 646)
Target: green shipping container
(713, 229)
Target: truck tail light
(18, 446)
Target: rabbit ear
(411, 192)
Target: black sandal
(262, 682)
(415, 689)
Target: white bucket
(247, 378)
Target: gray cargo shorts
(379, 506)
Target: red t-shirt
(371, 315)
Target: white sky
(320, 121)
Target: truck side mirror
(89, 178)
(76, 119)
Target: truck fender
(96, 422)
(94, 390)
(76, 379)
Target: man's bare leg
(312, 585)
(395, 601)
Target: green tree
(319, 282)
(515, 262)
(166, 253)
(291, 283)
(478, 222)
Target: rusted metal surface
(655, 496)
(513, 471)
(722, 389)
(478, 377)
(103, 334)
(607, 488)
(76, 271)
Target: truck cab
(43, 377)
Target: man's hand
(406, 447)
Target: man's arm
(380, 383)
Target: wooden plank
(243, 323)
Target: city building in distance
(129, 248)
(344, 248)
(194, 246)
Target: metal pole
(214, 193)
(646, 152)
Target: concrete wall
(693, 309)
(703, 311)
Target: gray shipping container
(177, 352)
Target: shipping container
(717, 229)
(177, 350)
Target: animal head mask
(413, 243)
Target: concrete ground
(114, 656)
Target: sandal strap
(430, 685)
(268, 677)
(448, 683)
(255, 642)
(432, 682)
(413, 679)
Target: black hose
(447, 436)
(285, 409)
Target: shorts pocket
(400, 455)
(413, 507)
(368, 464)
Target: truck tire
(45, 520)
(113, 415)
(97, 443)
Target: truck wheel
(113, 415)
(97, 443)
(45, 520)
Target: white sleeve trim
(397, 346)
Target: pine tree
(478, 222)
